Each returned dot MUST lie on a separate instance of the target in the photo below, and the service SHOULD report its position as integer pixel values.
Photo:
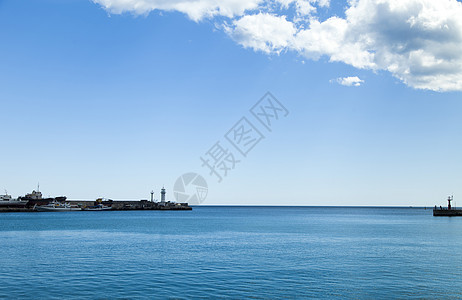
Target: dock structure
(113, 205)
(136, 205)
(447, 211)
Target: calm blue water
(234, 252)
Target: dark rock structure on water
(447, 211)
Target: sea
(232, 252)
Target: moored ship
(57, 206)
(8, 201)
(36, 199)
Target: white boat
(57, 206)
(98, 207)
(7, 200)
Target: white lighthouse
(162, 195)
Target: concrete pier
(447, 212)
(444, 212)
(136, 205)
(116, 205)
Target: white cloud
(304, 7)
(195, 9)
(417, 41)
(264, 32)
(349, 81)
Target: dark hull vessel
(35, 199)
(43, 201)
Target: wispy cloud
(417, 41)
(349, 81)
(263, 32)
(195, 9)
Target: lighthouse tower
(162, 195)
(152, 196)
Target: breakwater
(136, 205)
(115, 205)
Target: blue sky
(100, 100)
